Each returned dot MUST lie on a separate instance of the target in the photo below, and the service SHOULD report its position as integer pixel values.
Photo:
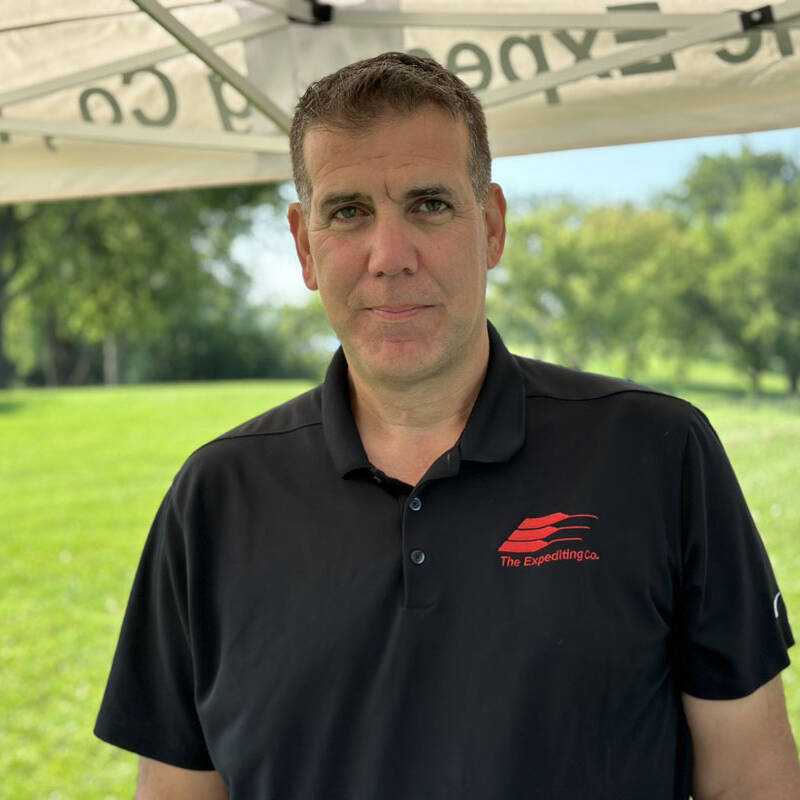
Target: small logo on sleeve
(537, 533)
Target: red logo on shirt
(531, 534)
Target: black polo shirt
(519, 624)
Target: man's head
(358, 96)
(392, 230)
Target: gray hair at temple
(356, 97)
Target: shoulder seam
(621, 390)
(229, 436)
(267, 433)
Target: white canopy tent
(116, 96)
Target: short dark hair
(358, 95)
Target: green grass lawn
(81, 474)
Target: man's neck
(404, 429)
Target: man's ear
(299, 228)
(494, 215)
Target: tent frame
(691, 29)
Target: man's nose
(393, 248)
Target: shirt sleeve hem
(735, 691)
(157, 751)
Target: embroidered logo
(531, 534)
(534, 534)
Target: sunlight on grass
(81, 474)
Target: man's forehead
(423, 150)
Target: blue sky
(634, 172)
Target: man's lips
(398, 312)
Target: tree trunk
(49, 358)
(66, 362)
(82, 365)
(755, 380)
(7, 369)
(110, 361)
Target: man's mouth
(399, 312)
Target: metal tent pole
(206, 54)
(726, 24)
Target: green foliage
(749, 293)
(579, 281)
(146, 287)
(713, 271)
(715, 182)
(119, 269)
(307, 336)
(222, 344)
(81, 474)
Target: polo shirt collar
(494, 431)
(338, 424)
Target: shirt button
(417, 556)
(415, 505)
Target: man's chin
(400, 363)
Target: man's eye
(347, 212)
(433, 206)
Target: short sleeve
(149, 703)
(732, 629)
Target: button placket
(419, 575)
(417, 556)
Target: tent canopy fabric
(117, 96)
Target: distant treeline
(141, 288)
(711, 270)
(144, 288)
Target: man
(448, 572)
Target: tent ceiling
(114, 96)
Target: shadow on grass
(10, 406)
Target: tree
(753, 285)
(714, 182)
(306, 335)
(18, 274)
(740, 212)
(218, 341)
(98, 272)
(784, 288)
(579, 281)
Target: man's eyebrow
(331, 200)
(435, 190)
(343, 198)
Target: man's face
(398, 245)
